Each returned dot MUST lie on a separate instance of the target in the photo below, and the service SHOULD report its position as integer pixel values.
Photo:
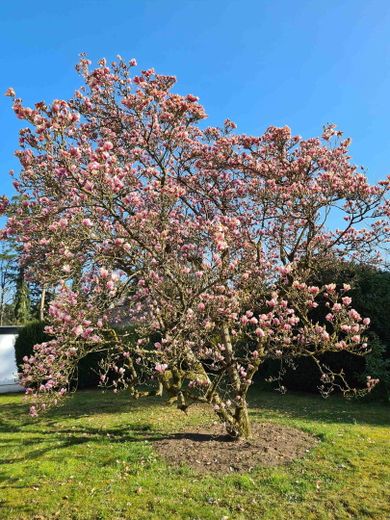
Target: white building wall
(8, 370)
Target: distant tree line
(20, 300)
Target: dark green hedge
(371, 298)
(87, 375)
(28, 336)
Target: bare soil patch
(211, 450)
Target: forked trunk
(238, 425)
(243, 423)
(241, 426)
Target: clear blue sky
(259, 62)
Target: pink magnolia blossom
(160, 368)
(87, 222)
(78, 331)
(10, 92)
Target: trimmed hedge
(87, 375)
(370, 297)
(28, 336)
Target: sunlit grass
(94, 459)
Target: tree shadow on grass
(14, 416)
(89, 402)
(55, 440)
(263, 405)
(310, 407)
(334, 409)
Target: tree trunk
(240, 427)
(237, 425)
(243, 422)
(42, 304)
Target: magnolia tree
(206, 241)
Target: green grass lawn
(94, 459)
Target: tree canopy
(204, 239)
